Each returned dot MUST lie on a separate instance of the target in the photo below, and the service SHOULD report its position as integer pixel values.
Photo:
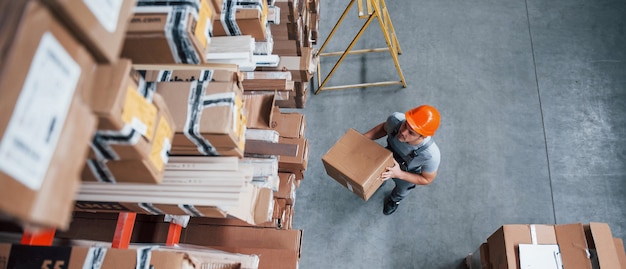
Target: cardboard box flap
(258, 109)
(503, 243)
(288, 124)
(573, 246)
(599, 237)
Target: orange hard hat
(423, 119)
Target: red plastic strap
(38, 238)
(123, 230)
(173, 234)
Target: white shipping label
(139, 126)
(39, 115)
(106, 11)
(540, 257)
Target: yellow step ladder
(376, 9)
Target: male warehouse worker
(416, 156)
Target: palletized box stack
(290, 28)
(293, 38)
(208, 114)
(171, 141)
(207, 107)
(86, 254)
(562, 246)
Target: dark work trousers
(402, 189)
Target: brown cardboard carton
(357, 163)
(146, 40)
(287, 188)
(161, 142)
(165, 34)
(503, 244)
(291, 124)
(572, 245)
(126, 118)
(294, 164)
(250, 21)
(287, 48)
(99, 25)
(258, 108)
(221, 123)
(45, 129)
(149, 166)
(245, 237)
(277, 249)
(50, 204)
(600, 241)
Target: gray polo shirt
(427, 160)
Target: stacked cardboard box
(162, 32)
(242, 18)
(575, 245)
(135, 127)
(45, 124)
(291, 41)
(208, 115)
(313, 21)
(93, 254)
(301, 18)
(277, 249)
(125, 104)
(99, 25)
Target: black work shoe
(390, 206)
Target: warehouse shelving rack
(121, 237)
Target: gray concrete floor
(532, 96)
